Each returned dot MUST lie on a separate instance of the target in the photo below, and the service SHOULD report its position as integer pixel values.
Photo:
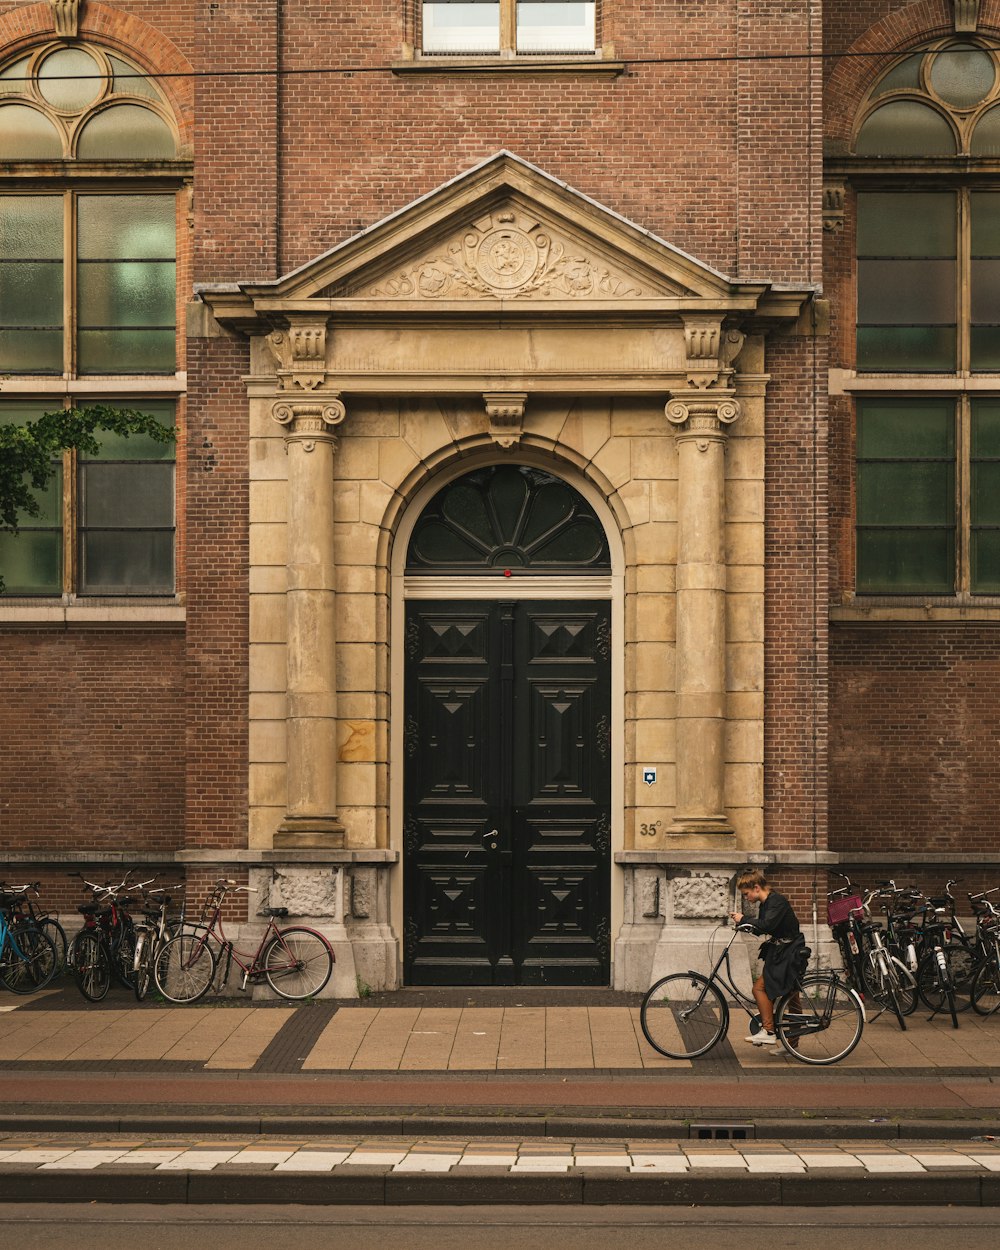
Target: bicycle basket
(839, 909)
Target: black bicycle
(685, 1014)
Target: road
(498, 1228)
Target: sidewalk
(545, 1083)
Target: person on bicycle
(784, 953)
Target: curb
(376, 1187)
(420, 1124)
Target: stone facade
(628, 273)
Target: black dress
(785, 953)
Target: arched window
(88, 294)
(927, 235)
(508, 517)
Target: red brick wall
(914, 738)
(92, 753)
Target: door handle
(490, 839)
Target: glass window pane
(555, 27)
(126, 227)
(128, 81)
(913, 428)
(962, 74)
(126, 351)
(27, 135)
(126, 132)
(985, 223)
(126, 293)
(902, 76)
(906, 561)
(14, 79)
(31, 228)
(70, 79)
(130, 496)
(31, 351)
(905, 128)
(136, 446)
(31, 562)
(31, 294)
(985, 349)
(986, 562)
(130, 562)
(461, 27)
(986, 136)
(906, 493)
(986, 291)
(986, 493)
(985, 427)
(913, 292)
(907, 224)
(907, 349)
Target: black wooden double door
(507, 826)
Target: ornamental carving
(966, 15)
(507, 255)
(505, 413)
(299, 355)
(833, 207)
(700, 898)
(702, 417)
(67, 17)
(309, 423)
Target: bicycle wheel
(889, 983)
(825, 1024)
(939, 991)
(143, 965)
(297, 963)
(684, 1015)
(34, 967)
(985, 992)
(123, 959)
(184, 968)
(90, 964)
(56, 934)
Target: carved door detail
(507, 848)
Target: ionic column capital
(308, 422)
(702, 416)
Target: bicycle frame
(726, 981)
(248, 962)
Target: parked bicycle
(984, 993)
(295, 962)
(105, 946)
(152, 933)
(685, 1014)
(26, 902)
(27, 957)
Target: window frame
(508, 50)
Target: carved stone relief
(304, 891)
(700, 898)
(67, 16)
(507, 255)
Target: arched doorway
(507, 739)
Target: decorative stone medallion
(508, 258)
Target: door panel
(507, 793)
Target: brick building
(588, 423)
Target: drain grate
(722, 1132)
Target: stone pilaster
(701, 418)
(311, 819)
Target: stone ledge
(264, 857)
(583, 64)
(735, 855)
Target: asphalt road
(498, 1228)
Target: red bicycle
(295, 962)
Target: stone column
(701, 419)
(311, 820)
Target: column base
(307, 833)
(685, 825)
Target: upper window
(927, 235)
(507, 27)
(88, 289)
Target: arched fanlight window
(932, 103)
(508, 517)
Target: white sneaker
(763, 1038)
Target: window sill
(924, 612)
(147, 614)
(584, 63)
(849, 382)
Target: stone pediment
(504, 230)
(510, 253)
